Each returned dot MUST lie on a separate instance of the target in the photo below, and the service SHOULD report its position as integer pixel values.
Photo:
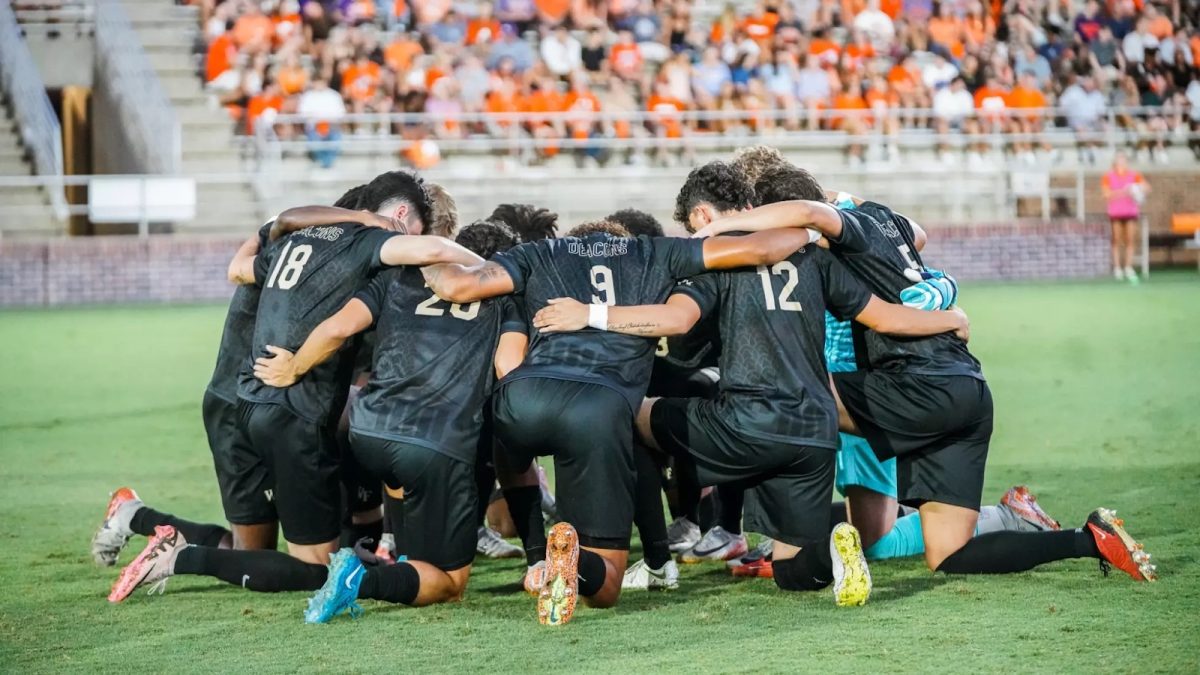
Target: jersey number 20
(289, 266)
(429, 308)
(784, 269)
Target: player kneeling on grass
(416, 424)
(773, 427)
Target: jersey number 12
(289, 266)
(784, 269)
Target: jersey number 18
(289, 266)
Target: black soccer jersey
(307, 277)
(598, 269)
(877, 245)
(698, 348)
(237, 334)
(774, 383)
(432, 373)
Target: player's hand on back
(562, 315)
(963, 332)
(276, 370)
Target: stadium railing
(41, 133)
(44, 15)
(141, 102)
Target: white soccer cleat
(851, 577)
(642, 577)
(764, 549)
(682, 534)
(114, 530)
(716, 544)
(492, 545)
(152, 567)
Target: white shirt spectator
(323, 104)
(953, 106)
(876, 25)
(939, 72)
(1136, 44)
(1084, 108)
(812, 84)
(562, 56)
(1193, 99)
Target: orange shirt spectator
(292, 79)
(400, 54)
(947, 31)
(286, 27)
(991, 101)
(583, 105)
(253, 31)
(222, 52)
(552, 12)
(1027, 98)
(501, 102)
(858, 54)
(260, 103)
(901, 79)
(360, 81)
(667, 111)
(882, 100)
(891, 7)
(1160, 27)
(432, 75)
(626, 59)
(979, 29)
(482, 30)
(849, 100)
(543, 101)
(1195, 44)
(760, 28)
(826, 51)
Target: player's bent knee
(793, 575)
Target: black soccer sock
(146, 519)
(392, 583)
(1005, 552)
(809, 570)
(352, 532)
(592, 571)
(729, 514)
(838, 513)
(264, 571)
(648, 510)
(485, 482)
(525, 507)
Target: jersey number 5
(289, 266)
(602, 282)
(465, 312)
(784, 269)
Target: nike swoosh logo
(350, 578)
(245, 578)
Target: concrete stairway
(170, 35)
(24, 210)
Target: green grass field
(1097, 390)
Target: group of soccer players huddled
(383, 392)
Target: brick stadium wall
(96, 270)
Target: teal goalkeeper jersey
(839, 345)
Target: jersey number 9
(602, 283)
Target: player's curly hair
(531, 223)
(638, 223)
(717, 184)
(445, 211)
(602, 226)
(756, 160)
(486, 238)
(351, 198)
(784, 183)
(394, 187)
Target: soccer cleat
(556, 600)
(385, 553)
(1117, 548)
(716, 544)
(761, 568)
(340, 591)
(492, 545)
(535, 578)
(152, 567)
(682, 534)
(851, 578)
(114, 530)
(763, 550)
(1024, 504)
(642, 577)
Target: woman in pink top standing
(1124, 190)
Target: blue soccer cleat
(340, 592)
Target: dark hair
(486, 238)
(531, 223)
(784, 183)
(351, 198)
(638, 223)
(398, 186)
(716, 183)
(602, 226)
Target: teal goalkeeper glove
(932, 290)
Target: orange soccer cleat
(759, 567)
(1117, 548)
(114, 531)
(560, 591)
(1022, 502)
(152, 567)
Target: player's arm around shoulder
(898, 320)
(752, 250)
(799, 213)
(300, 217)
(676, 316)
(283, 368)
(241, 267)
(424, 249)
(455, 282)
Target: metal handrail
(41, 132)
(141, 101)
(60, 12)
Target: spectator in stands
(520, 15)
(561, 52)
(1124, 190)
(451, 29)
(813, 90)
(510, 46)
(323, 110)
(484, 27)
(939, 72)
(1085, 107)
(953, 107)
(876, 25)
(1135, 44)
(594, 54)
(625, 57)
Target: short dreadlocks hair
(395, 187)
(486, 238)
(602, 226)
(784, 183)
(716, 183)
(351, 198)
(639, 223)
(531, 223)
(756, 160)
(445, 212)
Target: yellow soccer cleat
(851, 578)
(560, 589)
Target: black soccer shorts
(437, 521)
(588, 429)
(240, 477)
(938, 427)
(788, 487)
(297, 463)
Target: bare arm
(241, 267)
(300, 217)
(675, 317)
(797, 213)
(760, 248)
(425, 249)
(461, 283)
(901, 321)
(510, 352)
(283, 368)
